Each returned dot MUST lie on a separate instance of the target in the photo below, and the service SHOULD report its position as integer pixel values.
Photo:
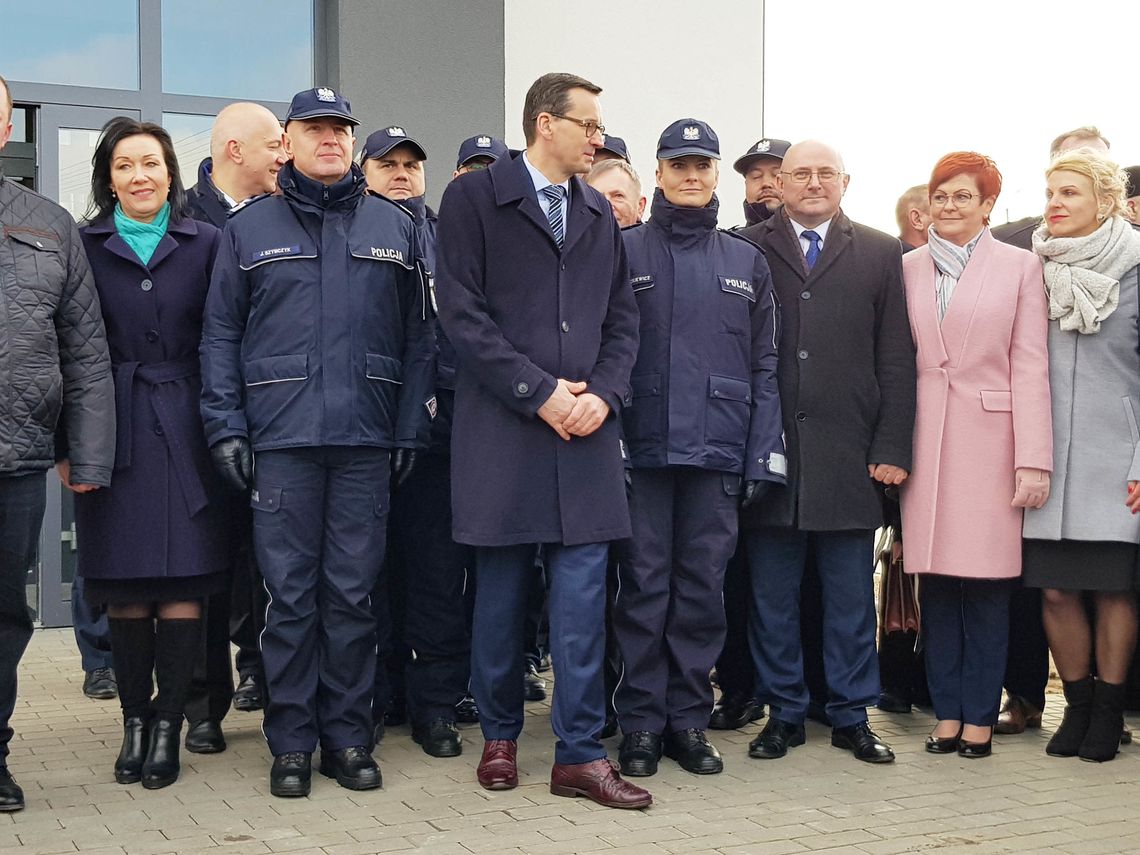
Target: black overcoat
(522, 313)
(166, 511)
(846, 374)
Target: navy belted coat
(521, 313)
(166, 513)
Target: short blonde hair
(1108, 179)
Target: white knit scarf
(1082, 274)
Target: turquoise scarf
(143, 238)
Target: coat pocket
(272, 384)
(386, 368)
(995, 401)
(642, 421)
(727, 411)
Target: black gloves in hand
(754, 491)
(402, 462)
(234, 461)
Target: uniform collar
(307, 190)
(680, 221)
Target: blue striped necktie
(812, 254)
(554, 211)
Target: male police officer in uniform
(247, 149)
(705, 414)
(760, 166)
(317, 352)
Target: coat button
(801, 416)
(805, 295)
(522, 388)
(146, 284)
(152, 335)
(716, 393)
(803, 354)
(565, 327)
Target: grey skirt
(1079, 565)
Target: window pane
(256, 49)
(76, 147)
(191, 135)
(73, 41)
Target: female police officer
(706, 412)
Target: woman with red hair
(982, 443)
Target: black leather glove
(754, 491)
(234, 461)
(402, 462)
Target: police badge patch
(325, 94)
(432, 407)
(692, 132)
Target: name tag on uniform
(275, 252)
(737, 285)
(640, 283)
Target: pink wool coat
(983, 410)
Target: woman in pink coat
(982, 443)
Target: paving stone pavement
(818, 799)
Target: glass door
(67, 138)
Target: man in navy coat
(533, 292)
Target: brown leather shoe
(1016, 716)
(597, 780)
(498, 769)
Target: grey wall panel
(434, 66)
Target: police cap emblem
(395, 131)
(692, 132)
(483, 142)
(763, 146)
(325, 94)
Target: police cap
(320, 103)
(380, 142)
(688, 136)
(616, 145)
(481, 145)
(767, 147)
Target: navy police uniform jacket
(521, 313)
(704, 385)
(316, 330)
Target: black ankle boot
(136, 741)
(1067, 739)
(1102, 740)
(161, 767)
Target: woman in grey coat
(1085, 537)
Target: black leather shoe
(248, 696)
(610, 727)
(439, 739)
(378, 731)
(890, 702)
(353, 768)
(466, 711)
(693, 752)
(205, 737)
(136, 741)
(291, 775)
(638, 754)
(974, 750)
(100, 684)
(396, 714)
(863, 742)
(775, 740)
(161, 767)
(943, 744)
(11, 796)
(733, 712)
(544, 663)
(534, 687)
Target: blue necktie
(554, 211)
(813, 251)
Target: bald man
(246, 151)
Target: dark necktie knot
(553, 193)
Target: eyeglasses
(826, 175)
(589, 125)
(961, 199)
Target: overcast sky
(895, 84)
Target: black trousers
(734, 668)
(22, 500)
(1027, 667)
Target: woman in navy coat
(157, 541)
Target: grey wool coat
(1095, 383)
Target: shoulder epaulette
(736, 234)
